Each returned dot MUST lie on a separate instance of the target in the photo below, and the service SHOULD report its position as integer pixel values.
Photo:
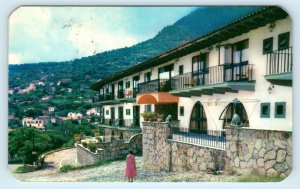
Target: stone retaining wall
(258, 151)
(163, 154)
(109, 151)
(190, 157)
(262, 152)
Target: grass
(68, 167)
(258, 178)
(24, 169)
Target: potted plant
(160, 117)
(152, 116)
(193, 82)
(145, 115)
(129, 93)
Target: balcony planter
(145, 115)
(160, 117)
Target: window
(268, 45)
(228, 54)
(148, 108)
(240, 51)
(280, 109)
(283, 41)
(180, 70)
(127, 84)
(107, 112)
(127, 111)
(147, 76)
(181, 110)
(265, 110)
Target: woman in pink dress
(130, 166)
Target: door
(120, 113)
(198, 122)
(200, 69)
(135, 82)
(136, 116)
(120, 90)
(112, 115)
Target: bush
(99, 139)
(92, 147)
(24, 169)
(84, 144)
(66, 168)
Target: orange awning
(157, 98)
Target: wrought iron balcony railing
(214, 75)
(279, 61)
(157, 85)
(209, 138)
(130, 123)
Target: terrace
(208, 138)
(279, 67)
(121, 124)
(215, 80)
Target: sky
(52, 34)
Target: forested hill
(197, 23)
(76, 96)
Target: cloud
(14, 59)
(41, 34)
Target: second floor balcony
(121, 124)
(216, 79)
(157, 85)
(279, 67)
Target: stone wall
(258, 151)
(189, 157)
(156, 149)
(163, 154)
(109, 151)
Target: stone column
(156, 149)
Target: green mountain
(87, 70)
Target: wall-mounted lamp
(210, 48)
(271, 27)
(271, 87)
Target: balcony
(157, 85)
(215, 80)
(279, 67)
(127, 95)
(105, 99)
(121, 124)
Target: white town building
(243, 68)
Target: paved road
(57, 159)
(112, 172)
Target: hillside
(88, 70)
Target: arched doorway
(198, 122)
(235, 107)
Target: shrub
(84, 144)
(66, 168)
(99, 139)
(92, 147)
(24, 169)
